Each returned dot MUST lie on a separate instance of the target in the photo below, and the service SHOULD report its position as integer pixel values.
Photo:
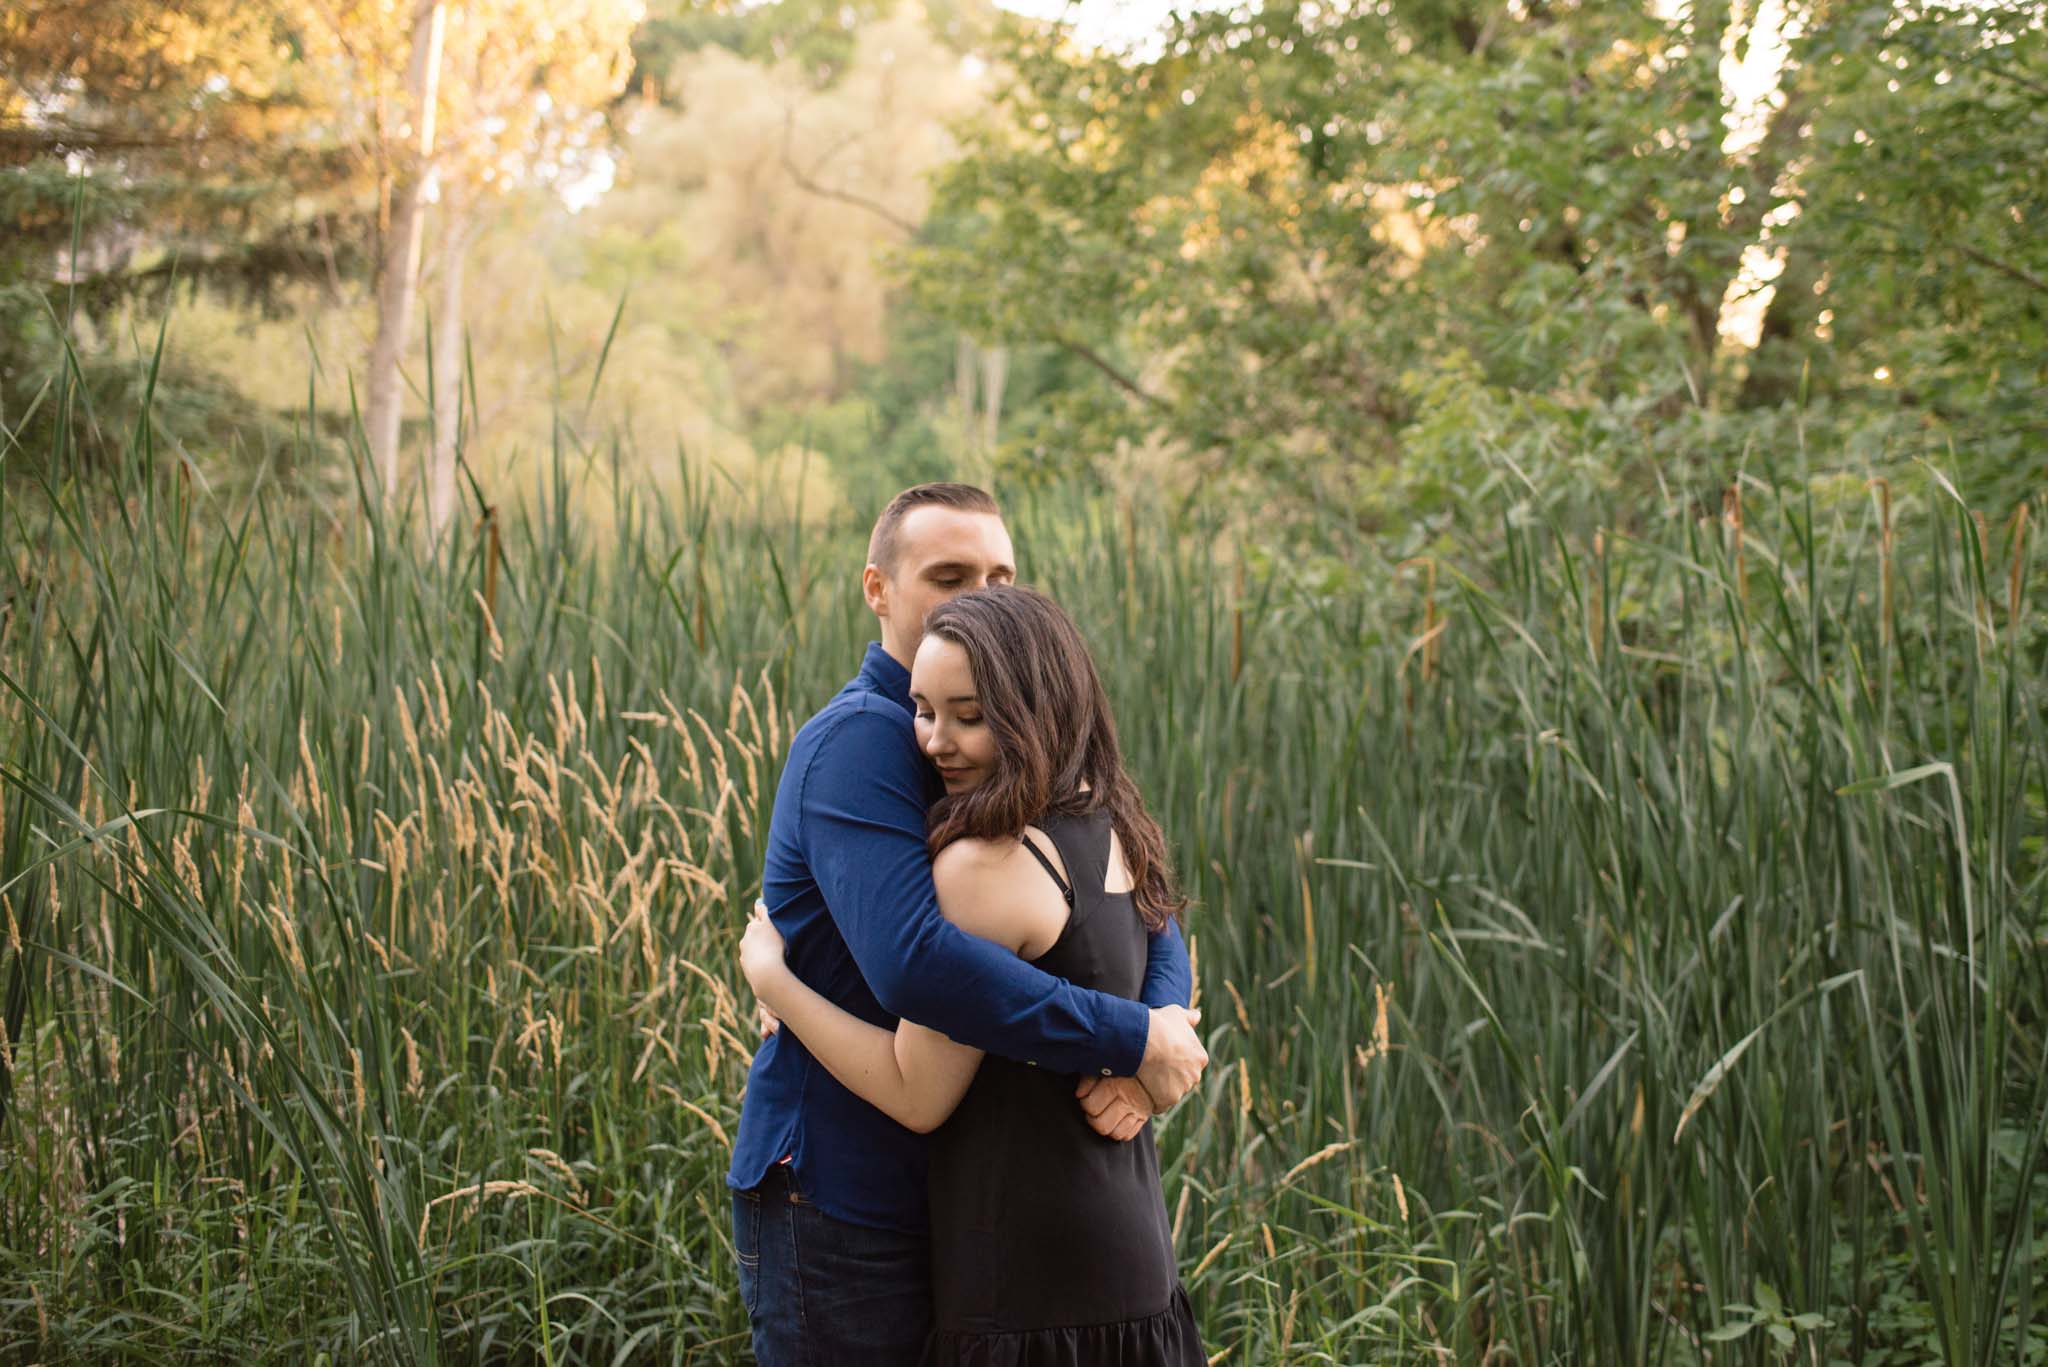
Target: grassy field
(1621, 938)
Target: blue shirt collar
(879, 671)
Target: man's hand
(1174, 1056)
(1116, 1107)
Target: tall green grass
(1621, 936)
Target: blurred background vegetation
(1317, 254)
(1554, 489)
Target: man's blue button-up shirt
(849, 884)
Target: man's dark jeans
(824, 1293)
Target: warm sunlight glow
(1749, 294)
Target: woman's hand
(761, 953)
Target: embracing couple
(956, 843)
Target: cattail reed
(2015, 579)
(1884, 554)
(1717, 857)
(1981, 590)
(1731, 517)
(1596, 596)
(1237, 623)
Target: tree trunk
(457, 233)
(963, 378)
(995, 372)
(398, 270)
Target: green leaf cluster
(1315, 246)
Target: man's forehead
(937, 533)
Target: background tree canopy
(1323, 253)
(1330, 248)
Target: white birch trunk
(457, 233)
(963, 378)
(995, 373)
(398, 274)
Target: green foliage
(816, 37)
(1278, 240)
(139, 130)
(1596, 927)
(1923, 203)
(1904, 1326)
(82, 390)
(1780, 1326)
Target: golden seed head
(414, 1079)
(441, 696)
(182, 864)
(497, 642)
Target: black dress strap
(1066, 888)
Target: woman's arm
(913, 1075)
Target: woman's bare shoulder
(972, 856)
(994, 889)
(972, 867)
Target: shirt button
(1030, 1063)
(1106, 1072)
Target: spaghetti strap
(1066, 888)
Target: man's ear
(874, 586)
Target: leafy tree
(146, 143)
(814, 40)
(192, 124)
(1326, 246)
(1924, 189)
(293, 137)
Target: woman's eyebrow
(964, 697)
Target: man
(829, 1216)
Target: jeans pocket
(746, 1244)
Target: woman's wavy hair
(1043, 702)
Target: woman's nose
(936, 743)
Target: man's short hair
(882, 545)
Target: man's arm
(1118, 1107)
(1169, 980)
(862, 814)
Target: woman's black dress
(1050, 1245)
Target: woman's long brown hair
(1056, 747)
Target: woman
(1050, 1244)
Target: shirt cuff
(1127, 1028)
